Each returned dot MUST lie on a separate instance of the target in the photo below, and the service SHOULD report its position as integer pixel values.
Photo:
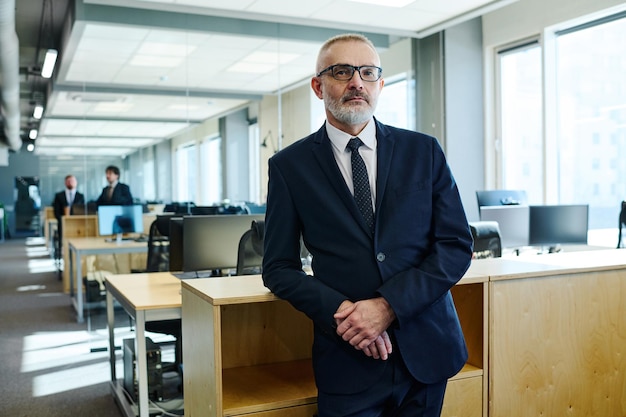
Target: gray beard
(349, 115)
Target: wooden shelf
(254, 389)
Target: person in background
(65, 201)
(63, 205)
(116, 193)
(379, 211)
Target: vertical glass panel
(591, 80)
(521, 153)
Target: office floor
(51, 365)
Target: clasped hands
(364, 325)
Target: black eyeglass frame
(354, 69)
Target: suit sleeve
(58, 206)
(126, 197)
(282, 268)
(448, 254)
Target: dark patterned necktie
(362, 191)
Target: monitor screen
(211, 242)
(116, 220)
(513, 222)
(552, 225)
(501, 198)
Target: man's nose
(355, 82)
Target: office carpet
(51, 365)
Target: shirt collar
(340, 139)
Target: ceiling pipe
(9, 76)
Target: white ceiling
(136, 72)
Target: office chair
(250, 250)
(622, 223)
(158, 261)
(487, 241)
(158, 245)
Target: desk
(145, 297)
(93, 246)
(251, 352)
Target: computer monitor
(558, 224)
(211, 242)
(513, 222)
(204, 210)
(501, 198)
(176, 244)
(117, 220)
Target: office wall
(463, 109)
(236, 157)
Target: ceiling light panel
(82, 151)
(138, 106)
(122, 129)
(97, 142)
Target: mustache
(353, 94)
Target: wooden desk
(251, 352)
(79, 247)
(145, 297)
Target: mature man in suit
(65, 201)
(387, 335)
(116, 193)
(63, 204)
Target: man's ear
(316, 85)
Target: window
(521, 139)
(211, 171)
(591, 102)
(572, 149)
(186, 173)
(396, 105)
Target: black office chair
(487, 241)
(622, 223)
(250, 250)
(158, 261)
(158, 245)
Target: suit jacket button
(380, 257)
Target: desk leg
(142, 363)
(79, 287)
(70, 267)
(111, 324)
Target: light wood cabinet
(248, 353)
(557, 345)
(82, 225)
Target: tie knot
(354, 144)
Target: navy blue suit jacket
(422, 246)
(121, 196)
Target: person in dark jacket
(116, 193)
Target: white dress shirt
(339, 140)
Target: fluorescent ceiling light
(48, 63)
(252, 68)
(33, 134)
(38, 112)
(386, 3)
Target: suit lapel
(323, 154)
(384, 149)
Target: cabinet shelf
(259, 388)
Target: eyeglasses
(346, 72)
